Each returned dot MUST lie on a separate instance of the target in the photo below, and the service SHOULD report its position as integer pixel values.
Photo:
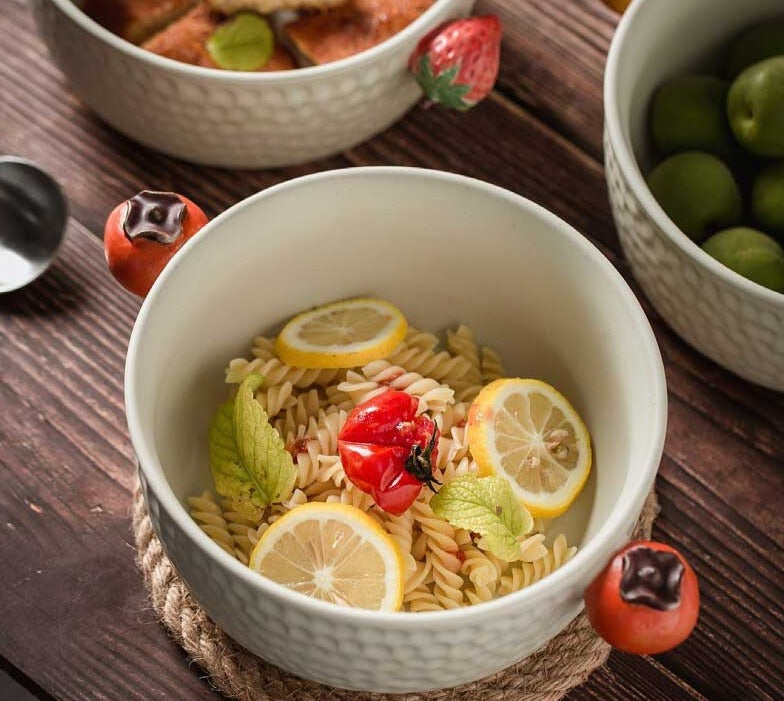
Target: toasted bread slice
(186, 40)
(231, 7)
(351, 28)
(136, 20)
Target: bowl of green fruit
(694, 155)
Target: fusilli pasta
(444, 567)
(492, 366)
(376, 377)
(236, 528)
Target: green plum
(750, 253)
(698, 192)
(689, 113)
(767, 198)
(756, 44)
(755, 107)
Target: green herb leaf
(442, 88)
(248, 459)
(244, 43)
(485, 505)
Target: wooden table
(74, 619)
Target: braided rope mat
(547, 675)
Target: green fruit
(755, 45)
(750, 253)
(698, 192)
(689, 113)
(767, 198)
(243, 43)
(755, 107)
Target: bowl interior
(445, 8)
(445, 249)
(666, 38)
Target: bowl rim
(590, 558)
(630, 169)
(81, 18)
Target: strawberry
(457, 63)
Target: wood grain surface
(74, 622)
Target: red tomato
(388, 451)
(143, 233)
(646, 601)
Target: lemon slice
(342, 334)
(526, 431)
(333, 552)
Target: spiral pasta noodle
(440, 366)
(276, 398)
(443, 554)
(353, 497)
(524, 574)
(461, 343)
(208, 514)
(422, 599)
(264, 348)
(275, 372)
(299, 412)
(401, 528)
(492, 367)
(376, 377)
(423, 340)
(244, 526)
(445, 567)
(234, 527)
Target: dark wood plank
(553, 62)
(12, 690)
(75, 618)
(632, 678)
(63, 344)
(741, 586)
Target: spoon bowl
(33, 215)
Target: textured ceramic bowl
(446, 249)
(237, 120)
(733, 321)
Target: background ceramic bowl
(446, 249)
(732, 320)
(238, 120)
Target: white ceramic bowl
(733, 321)
(237, 120)
(446, 249)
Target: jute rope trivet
(547, 675)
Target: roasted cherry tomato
(646, 601)
(143, 233)
(388, 451)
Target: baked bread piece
(136, 20)
(186, 40)
(231, 7)
(354, 27)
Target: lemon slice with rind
(343, 334)
(333, 552)
(528, 432)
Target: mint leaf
(485, 505)
(224, 456)
(248, 459)
(244, 43)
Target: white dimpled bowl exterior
(733, 321)
(445, 249)
(233, 119)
